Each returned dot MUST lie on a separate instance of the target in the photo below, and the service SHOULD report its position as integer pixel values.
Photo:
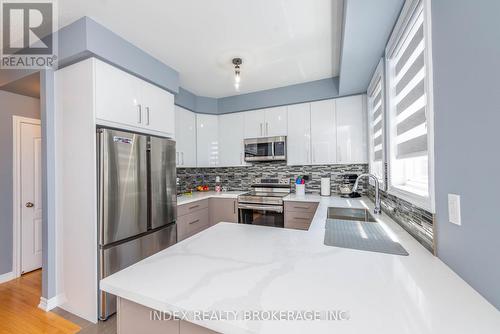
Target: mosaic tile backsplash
(418, 222)
(240, 178)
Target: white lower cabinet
(207, 140)
(299, 134)
(185, 136)
(323, 132)
(351, 130)
(231, 128)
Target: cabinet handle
(193, 207)
(261, 129)
(194, 221)
(139, 118)
(177, 158)
(234, 206)
(301, 207)
(182, 155)
(313, 155)
(147, 115)
(267, 129)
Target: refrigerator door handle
(100, 184)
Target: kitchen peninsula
(239, 268)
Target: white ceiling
(282, 42)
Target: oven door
(258, 150)
(264, 215)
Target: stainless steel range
(264, 204)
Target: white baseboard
(7, 277)
(49, 304)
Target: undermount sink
(360, 215)
(354, 229)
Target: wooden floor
(19, 312)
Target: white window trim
(406, 16)
(379, 73)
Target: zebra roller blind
(376, 108)
(409, 91)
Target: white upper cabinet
(185, 136)
(299, 134)
(207, 142)
(268, 122)
(117, 95)
(276, 121)
(351, 134)
(254, 123)
(125, 101)
(158, 108)
(323, 132)
(231, 128)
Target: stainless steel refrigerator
(136, 202)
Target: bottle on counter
(218, 187)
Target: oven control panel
(272, 181)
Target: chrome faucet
(378, 209)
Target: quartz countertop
(303, 198)
(240, 268)
(200, 195)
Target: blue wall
(86, 38)
(466, 65)
(200, 104)
(12, 104)
(367, 27)
(304, 92)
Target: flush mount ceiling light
(237, 74)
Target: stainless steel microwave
(265, 149)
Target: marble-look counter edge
(198, 196)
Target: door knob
(29, 205)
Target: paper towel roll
(325, 186)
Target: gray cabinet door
(223, 210)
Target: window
(409, 114)
(376, 124)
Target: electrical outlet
(454, 215)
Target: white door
(323, 132)
(276, 122)
(118, 96)
(207, 142)
(254, 123)
(158, 109)
(299, 134)
(351, 138)
(185, 135)
(231, 140)
(31, 197)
